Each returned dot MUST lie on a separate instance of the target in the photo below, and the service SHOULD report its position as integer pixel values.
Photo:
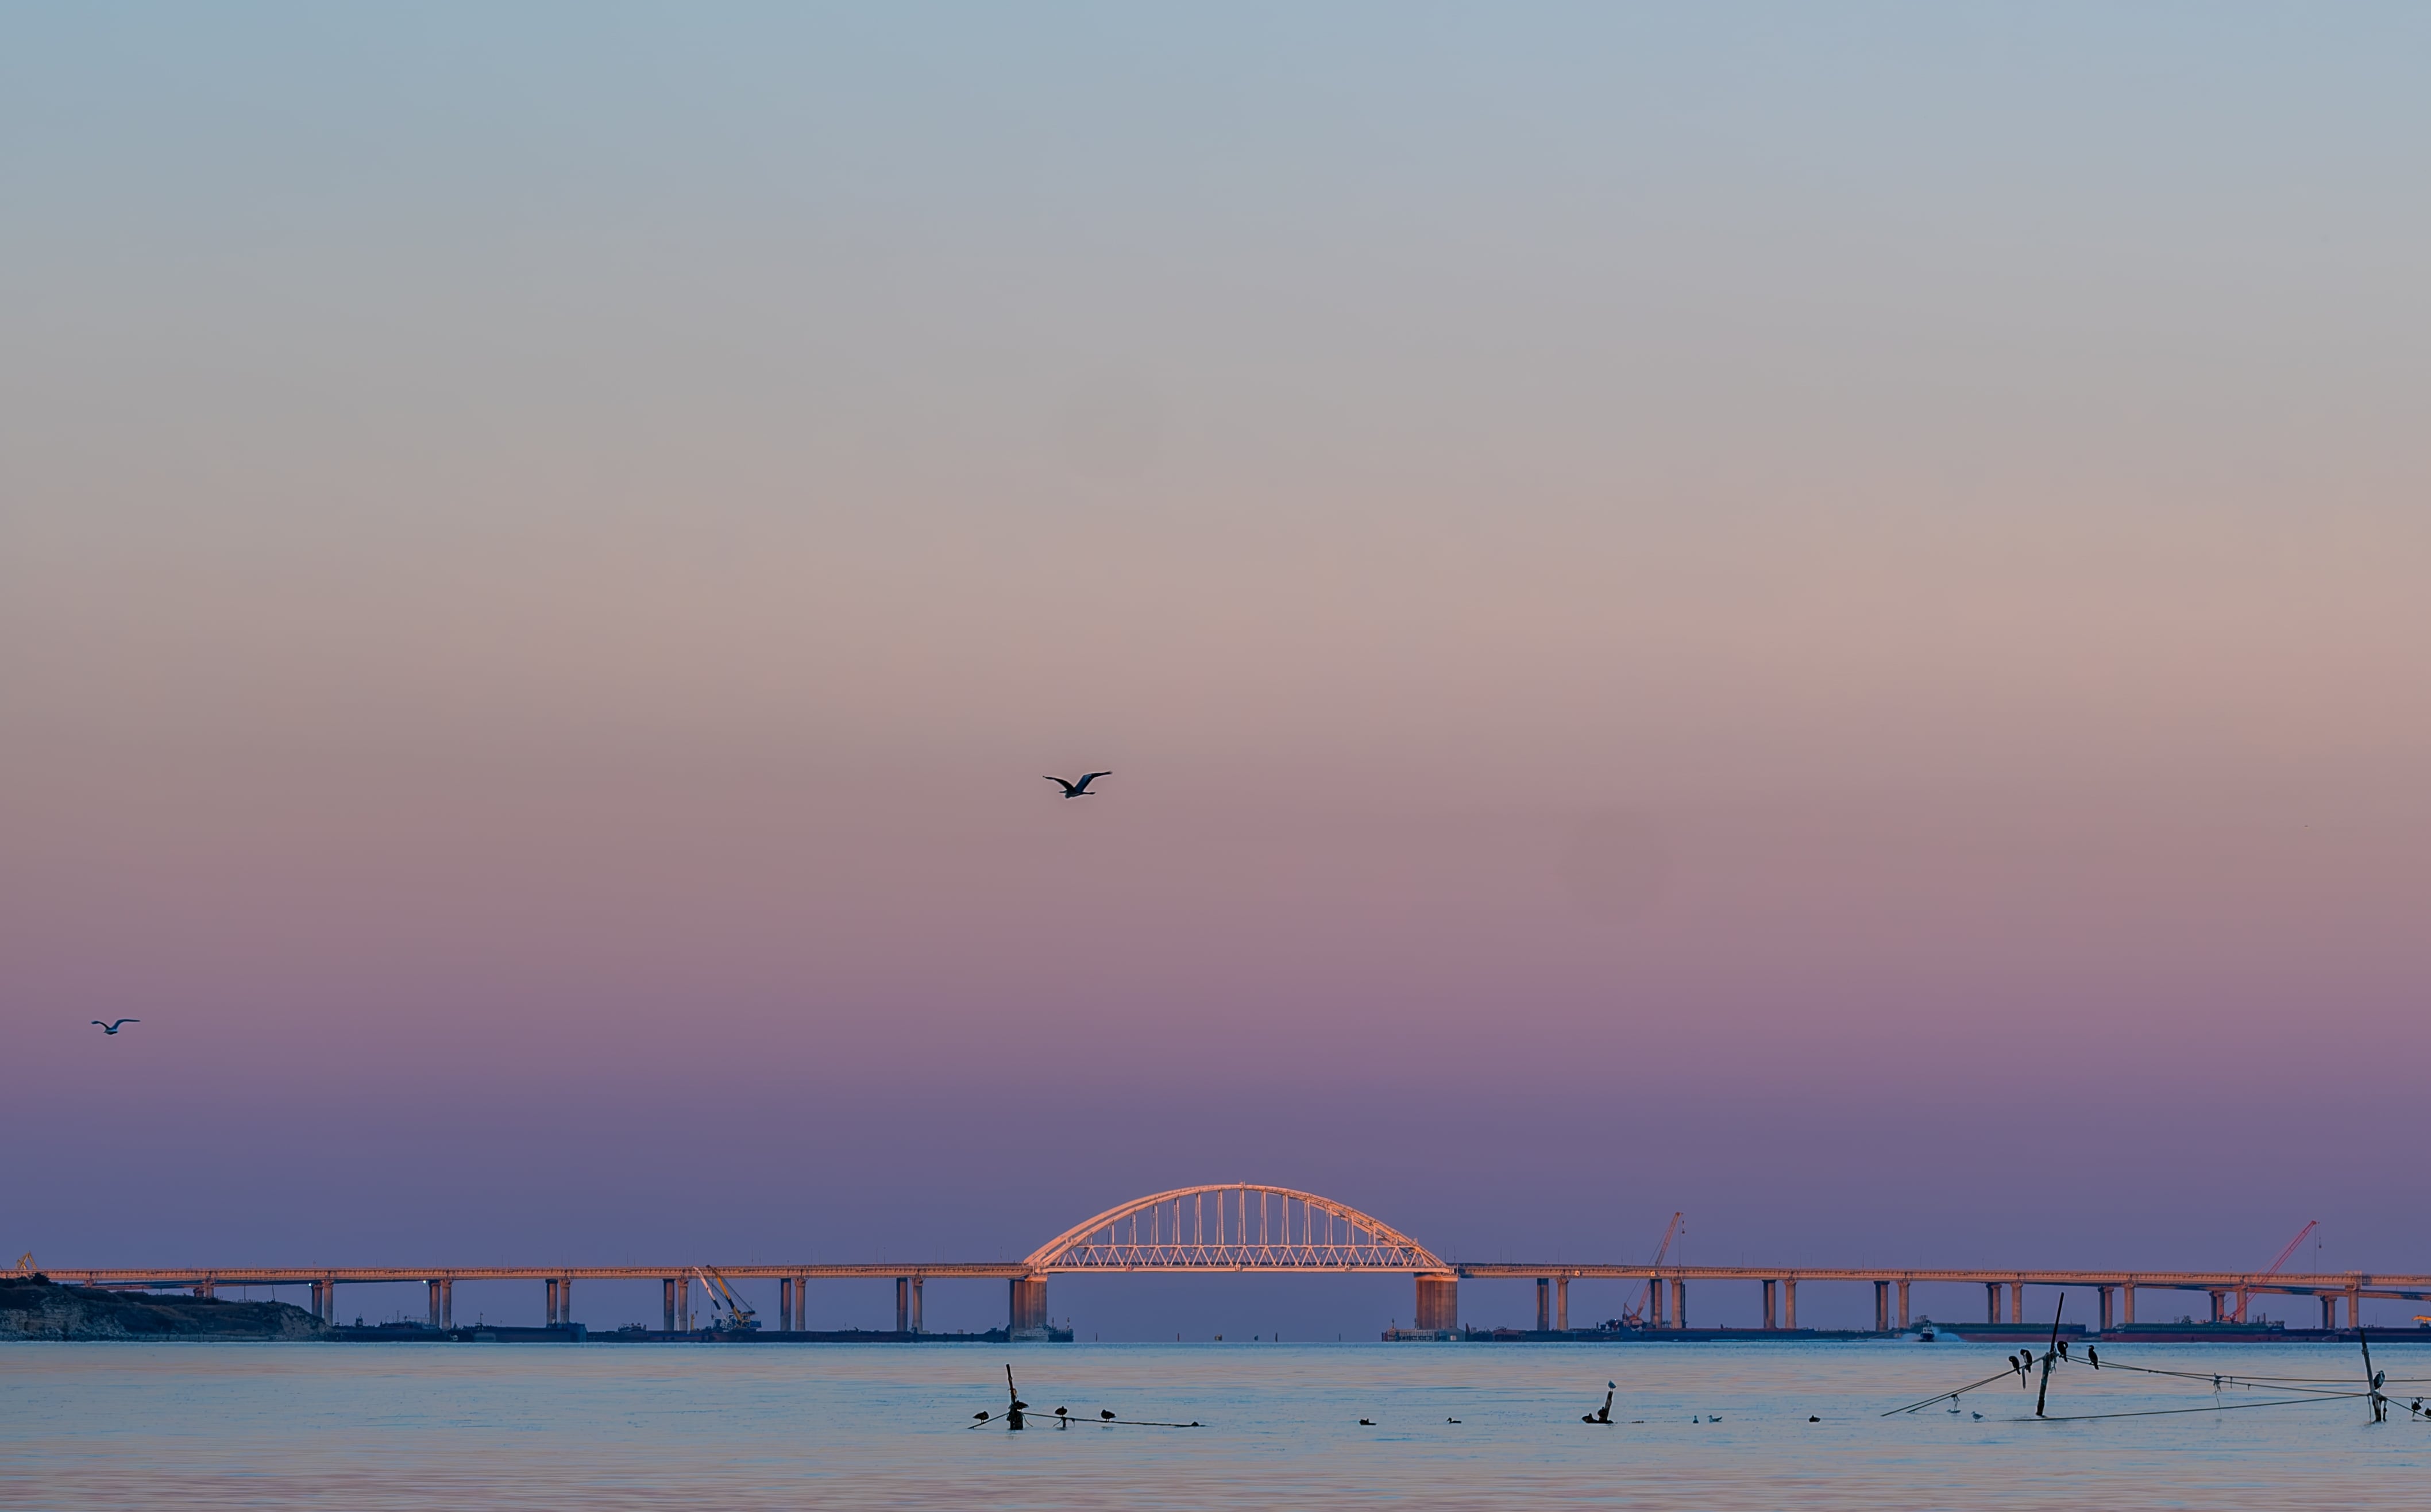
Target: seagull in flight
(113, 1028)
(1081, 788)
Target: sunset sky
(1819, 615)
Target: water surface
(417, 1427)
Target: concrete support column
(2017, 1302)
(903, 1304)
(2127, 1305)
(1439, 1307)
(2102, 1306)
(2329, 1311)
(1029, 1304)
(551, 1285)
(2216, 1299)
(1544, 1304)
(1902, 1296)
(1680, 1303)
(1991, 1301)
(1789, 1301)
(784, 1304)
(1882, 1307)
(434, 1302)
(802, 1302)
(1562, 1304)
(205, 1289)
(1654, 1302)
(918, 1327)
(1768, 1286)
(683, 1301)
(667, 1296)
(565, 1301)
(2355, 1305)
(447, 1303)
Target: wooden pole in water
(2049, 1354)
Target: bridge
(1247, 1227)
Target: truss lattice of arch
(1240, 1227)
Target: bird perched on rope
(1081, 788)
(113, 1028)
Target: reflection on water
(609, 1426)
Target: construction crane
(729, 1312)
(1636, 1317)
(2245, 1297)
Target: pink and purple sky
(1814, 617)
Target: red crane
(2244, 1296)
(1636, 1317)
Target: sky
(1809, 615)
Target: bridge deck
(2367, 1284)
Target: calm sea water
(603, 1426)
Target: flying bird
(113, 1028)
(1081, 788)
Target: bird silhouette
(113, 1028)
(1106, 1415)
(1081, 788)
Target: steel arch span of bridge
(1238, 1227)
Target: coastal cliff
(31, 1307)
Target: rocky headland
(33, 1307)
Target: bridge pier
(1768, 1284)
(549, 1285)
(1882, 1307)
(918, 1327)
(784, 1304)
(2329, 1311)
(1544, 1304)
(1562, 1304)
(1680, 1303)
(2017, 1302)
(443, 1303)
(667, 1299)
(2127, 1305)
(1654, 1302)
(2101, 1305)
(1903, 1295)
(903, 1304)
(1991, 1301)
(2216, 1310)
(1438, 1305)
(2355, 1305)
(1789, 1302)
(1027, 1312)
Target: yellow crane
(1636, 1317)
(732, 1313)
